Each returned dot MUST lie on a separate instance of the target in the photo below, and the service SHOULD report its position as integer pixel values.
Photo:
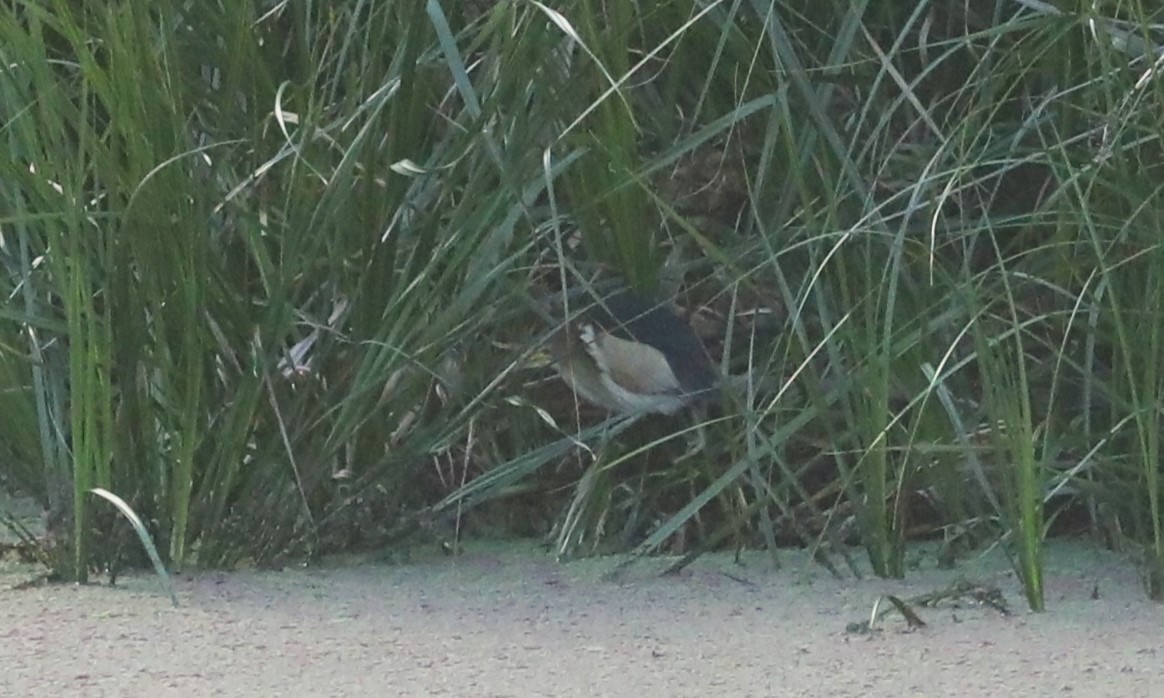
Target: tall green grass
(276, 272)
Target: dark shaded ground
(510, 622)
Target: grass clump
(277, 277)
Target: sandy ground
(511, 622)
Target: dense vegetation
(276, 272)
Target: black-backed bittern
(630, 354)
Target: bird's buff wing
(637, 368)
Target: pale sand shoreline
(508, 621)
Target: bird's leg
(696, 436)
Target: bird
(630, 354)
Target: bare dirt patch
(507, 621)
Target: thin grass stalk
(143, 536)
(90, 398)
(1130, 287)
(190, 423)
(1006, 389)
(614, 221)
(1141, 369)
(33, 202)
